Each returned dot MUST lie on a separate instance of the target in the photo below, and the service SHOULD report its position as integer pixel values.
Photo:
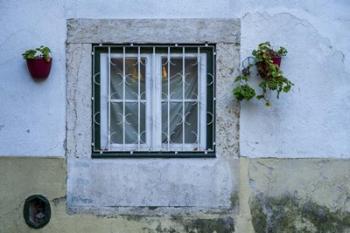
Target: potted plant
(38, 62)
(267, 61)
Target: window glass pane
(176, 122)
(191, 127)
(176, 78)
(116, 130)
(164, 122)
(142, 123)
(164, 78)
(131, 78)
(131, 123)
(191, 90)
(143, 78)
(191, 85)
(116, 78)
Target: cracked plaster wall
(310, 122)
(313, 121)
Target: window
(153, 100)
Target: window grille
(153, 100)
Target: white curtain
(176, 114)
(131, 109)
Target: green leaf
(272, 79)
(244, 92)
(287, 88)
(31, 53)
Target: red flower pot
(277, 60)
(39, 68)
(263, 69)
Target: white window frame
(153, 127)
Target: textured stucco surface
(32, 122)
(22, 177)
(84, 31)
(282, 195)
(312, 121)
(325, 181)
(299, 195)
(119, 185)
(294, 195)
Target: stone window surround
(82, 33)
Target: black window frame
(209, 49)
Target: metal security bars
(153, 101)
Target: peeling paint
(59, 200)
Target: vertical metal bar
(199, 93)
(149, 93)
(154, 116)
(109, 99)
(183, 97)
(214, 97)
(124, 98)
(139, 97)
(93, 99)
(168, 133)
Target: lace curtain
(131, 104)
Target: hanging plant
(267, 61)
(38, 62)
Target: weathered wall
(23, 177)
(274, 195)
(294, 195)
(277, 196)
(311, 121)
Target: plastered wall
(275, 195)
(312, 121)
(291, 192)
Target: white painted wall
(313, 121)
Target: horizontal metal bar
(156, 45)
(180, 100)
(127, 101)
(161, 155)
